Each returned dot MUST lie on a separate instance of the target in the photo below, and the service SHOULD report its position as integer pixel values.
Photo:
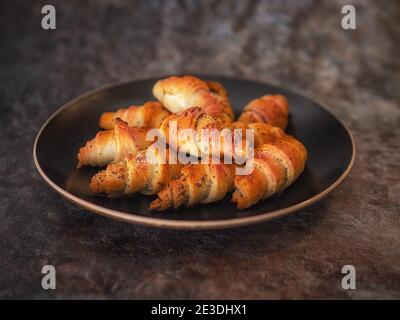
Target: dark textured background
(297, 44)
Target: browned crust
(276, 165)
(270, 109)
(126, 140)
(210, 96)
(193, 186)
(151, 113)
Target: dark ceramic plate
(330, 146)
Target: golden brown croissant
(151, 114)
(276, 166)
(113, 145)
(195, 119)
(197, 183)
(136, 173)
(271, 109)
(252, 136)
(180, 93)
(262, 132)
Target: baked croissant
(113, 145)
(197, 183)
(239, 147)
(276, 166)
(151, 114)
(201, 145)
(195, 119)
(146, 172)
(180, 93)
(262, 133)
(271, 109)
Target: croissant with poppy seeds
(196, 120)
(270, 109)
(151, 114)
(202, 144)
(180, 93)
(262, 132)
(197, 183)
(276, 165)
(146, 172)
(113, 145)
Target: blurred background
(298, 44)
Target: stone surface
(297, 44)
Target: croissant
(151, 114)
(195, 119)
(202, 145)
(271, 109)
(262, 133)
(146, 172)
(197, 183)
(276, 166)
(180, 93)
(113, 145)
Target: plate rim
(135, 218)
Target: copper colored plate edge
(186, 224)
